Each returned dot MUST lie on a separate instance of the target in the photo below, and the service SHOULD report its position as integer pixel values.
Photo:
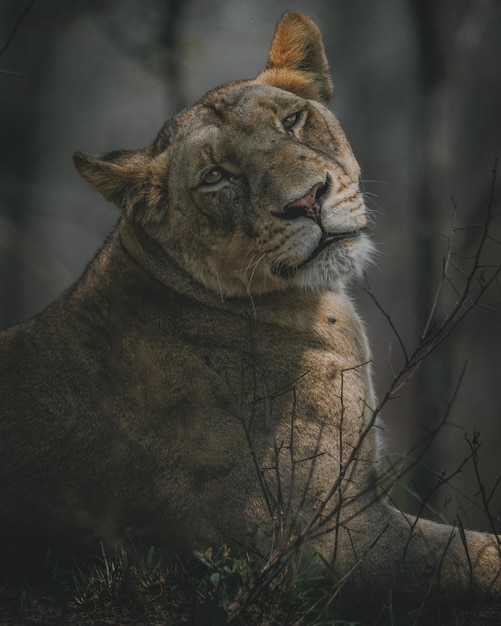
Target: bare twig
(15, 28)
(474, 445)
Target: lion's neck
(311, 315)
(155, 262)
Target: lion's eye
(291, 120)
(213, 176)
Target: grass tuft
(144, 589)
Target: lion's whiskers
(220, 285)
(251, 265)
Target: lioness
(208, 380)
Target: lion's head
(254, 188)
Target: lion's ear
(117, 175)
(297, 61)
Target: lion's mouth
(288, 271)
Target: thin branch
(474, 445)
(390, 322)
(16, 27)
(10, 73)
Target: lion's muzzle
(308, 206)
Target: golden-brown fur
(208, 375)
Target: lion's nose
(307, 206)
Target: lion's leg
(385, 551)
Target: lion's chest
(212, 401)
(241, 384)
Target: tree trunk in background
(157, 43)
(26, 77)
(448, 34)
(148, 31)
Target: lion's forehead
(242, 107)
(246, 96)
(235, 118)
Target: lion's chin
(336, 265)
(328, 239)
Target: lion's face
(253, 189)
(263, 191)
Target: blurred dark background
(418, 91)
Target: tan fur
(208, 374)
(297, 59)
